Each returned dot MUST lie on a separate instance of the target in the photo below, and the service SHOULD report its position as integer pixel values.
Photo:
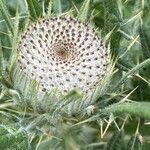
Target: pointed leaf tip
(82, 15)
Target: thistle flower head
(63, 53)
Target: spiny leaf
(134, 143)
(49, 11)
(41, 120)
(57, 6)
(70, 97)
(13, 139)
(112, 19)
(34, 8)
(116, 141)
(5, 80)
(140, 109)
(83, 12)
(145, 42)
(131, 72)
(3, 131)
(34, 92)
(2, 67)
(6, 16)
(111, 14)
(15, 37)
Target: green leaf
(3, 131)
(15, 38)
(34, 9)
(116, 141)
(2, 67)
(112, 14)
(145, 42)
(6, 16)
(134, 143)
(57, 6)
(5, 80)
(13, 139)
(72, 96)
(49, 10)
(140, 109)
(131, 72)
(112, 19)
(83, 12)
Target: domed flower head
(64, 53)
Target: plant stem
(140, 109)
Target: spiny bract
(63, 53)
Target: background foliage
(120, 118)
